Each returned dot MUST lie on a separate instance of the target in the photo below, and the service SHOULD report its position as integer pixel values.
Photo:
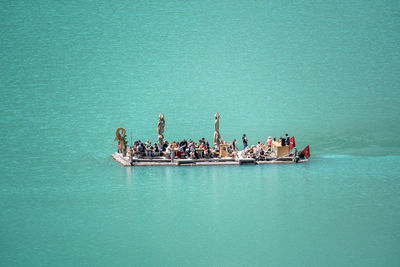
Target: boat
(161, 161)
(278, 152)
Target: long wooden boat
(161, 161)
(280, 152)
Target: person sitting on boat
(192, 148)
(175, 149)
(141, 149)
(164, 146)
(216, 147)
(148, 143)
(168, 152)
(187, 149)
(260, 145)
(253, 152)
(181, 149)
(156, 150)
(261, 156)
(246, 152)
(233, 154)
(184, 143)
(192, 151)
(202, 141)
(257, 149)
(215, 151)
(202, 145)
(207, 152)
(149, 151)
(207, 146)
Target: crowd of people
(263, 151)
(202, 149)
(182, 149)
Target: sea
(326, 72)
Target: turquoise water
(326, 72)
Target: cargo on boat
(190, 153)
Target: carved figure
(160, 129)
(217, 136)
(120, 134)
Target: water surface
(73, 72)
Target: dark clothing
(184, 145)
(244, 141)
(164, 147)
(233, 146)
(283, 142)
(141, 148)
(287, 140)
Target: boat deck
(160, 161)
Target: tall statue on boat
(160, 129)
(217, 136)
(120, 136)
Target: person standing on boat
(282, 141)
(269, 142)
(244, 139)
(287, 139)
(233, 145)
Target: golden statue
(120, 134)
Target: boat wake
(337, 156)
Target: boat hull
(125, 161)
